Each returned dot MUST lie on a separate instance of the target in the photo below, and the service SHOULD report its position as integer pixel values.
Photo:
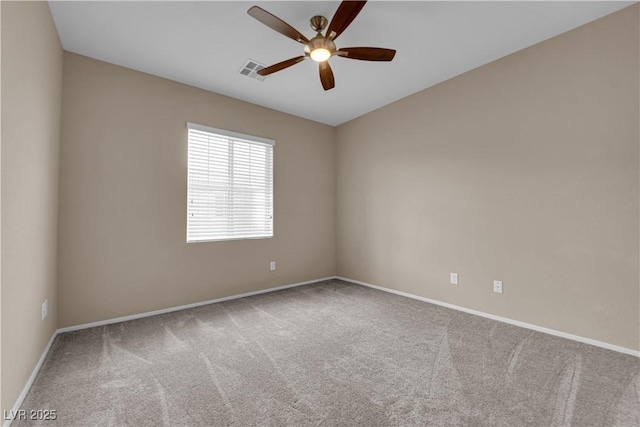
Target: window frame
(242, 138)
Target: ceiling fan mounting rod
(318, 23)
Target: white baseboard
(31, 379)
(186, 306)
(501, 319)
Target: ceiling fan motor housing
(319, 41)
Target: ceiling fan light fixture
(320, 54)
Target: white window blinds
(230, 185)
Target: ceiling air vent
(251, 68)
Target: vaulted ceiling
(206, 44)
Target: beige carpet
(333, 354)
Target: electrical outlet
(272, 265)
(45, 309)
(454, 278)
(497, 286)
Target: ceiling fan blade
(346, 13)
(276, 24)
(281, 65)
(367, 53)
(326, 76)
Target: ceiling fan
(322, 47)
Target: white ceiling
(204, 44)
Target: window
(230, 185)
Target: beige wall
(31, 96)
(524, 170)
(122, 244)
